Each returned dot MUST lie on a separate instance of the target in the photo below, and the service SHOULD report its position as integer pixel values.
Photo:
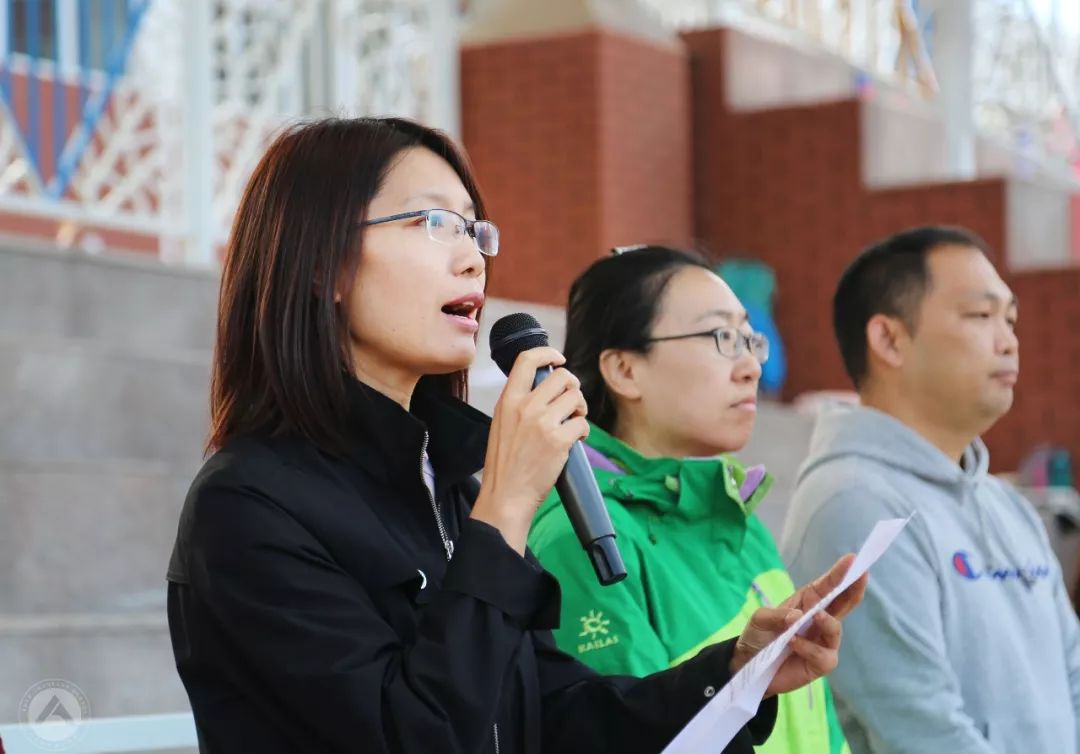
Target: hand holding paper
(814, 655)
(785, 662)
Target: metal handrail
(105, 735)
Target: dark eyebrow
(442, 200)
(1012, 303)
(731, 316)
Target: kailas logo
(964, 564)
(594, 626)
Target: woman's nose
(747, 368)
(468, 260)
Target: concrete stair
(104, 366)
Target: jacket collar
(668, 482)
(388, 441)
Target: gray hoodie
(966, 642)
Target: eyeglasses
(448, 227)
(730, 342)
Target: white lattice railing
(1025, 66)
(881, 36)
(1027, 77)
(154, 139)
(168, 153)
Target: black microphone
(576, 485)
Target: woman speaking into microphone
(340, 582)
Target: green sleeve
(606, 627)
(837, 744)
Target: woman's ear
(318, 291)
(318, 286)
(620, 370)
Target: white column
(198, 136)
(320, 97)
(444, 67)
(68, 42)
(954, 63)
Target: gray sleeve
(894, 675)
(1070, 626)
(1070, 639)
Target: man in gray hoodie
(966, 642)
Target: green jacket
(699, 564)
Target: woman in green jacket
(669, 366)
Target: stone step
(114, 298)
(81, 400)
(86, 537)
(122, 664)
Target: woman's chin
(455, 361)
(733, 440)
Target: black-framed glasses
(730, 342)
(448, 227)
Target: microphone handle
(592, 523)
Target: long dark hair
(281, 357)
(613, 304)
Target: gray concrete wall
(104, 367)
(116, 299)
(780, 441)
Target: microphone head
(511, 335)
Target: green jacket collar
(694, 487)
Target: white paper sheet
(720, 720)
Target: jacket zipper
(448, 546)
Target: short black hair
(890, 277)
(613, 304)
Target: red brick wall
(589, 140)
(645, 151)
(569, 159)
(775, 185)
(784, 185)
(1047, 407)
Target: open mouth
(467, 307)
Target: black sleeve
(308, 643)
(585, 712)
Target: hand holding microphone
(535, 443)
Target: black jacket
(312, 608)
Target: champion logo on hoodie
(963, 564)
